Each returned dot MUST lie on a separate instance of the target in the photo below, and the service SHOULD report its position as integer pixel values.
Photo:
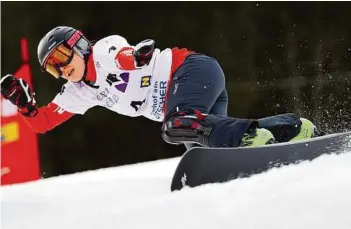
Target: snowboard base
(214, 165)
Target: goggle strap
(76, 50)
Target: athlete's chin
(76, 78)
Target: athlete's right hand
(17, 91)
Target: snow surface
(310, 195)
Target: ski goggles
(59, 57)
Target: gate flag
(19, 146)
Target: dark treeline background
(277, 56)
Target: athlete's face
(74, 71)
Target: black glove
(17, 91)
(143, 52)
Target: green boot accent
(306, 132)
(257, 137)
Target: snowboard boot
(307, 130)
(257, 137)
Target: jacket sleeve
(48, 117)
(65, 104)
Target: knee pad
(184, 127)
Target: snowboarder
(183, 89)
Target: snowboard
(202, 165)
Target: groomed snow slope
(306, 196)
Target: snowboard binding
(257, 137)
